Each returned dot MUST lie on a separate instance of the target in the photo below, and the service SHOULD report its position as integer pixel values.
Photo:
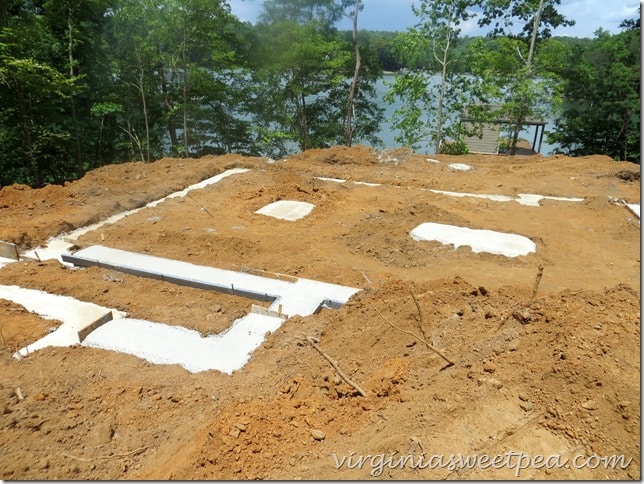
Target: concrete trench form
(175, 345)
(226, 352)
(79, 318)
(460, 167)
(340, 180)
(527, 199)
(5, 261)
(302, 297)
(635, 208)
(60, 244)
(509, 245)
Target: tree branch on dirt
(311, 341)
(421, 321)
(107, 457)
(423, 339)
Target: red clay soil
(554, 375)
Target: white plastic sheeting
(528, 199)
(289, 210)
(509, 245)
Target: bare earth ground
(556, 375)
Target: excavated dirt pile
(546, 382)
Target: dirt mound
(553, 374)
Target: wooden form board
(9, 250)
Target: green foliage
(458, 147)
(517, 73)
(302, 80)
(298, 81)
(432, 105)
(602, 92)
(502, 15)
(33, 99)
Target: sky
(396, 15)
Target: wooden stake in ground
(311, 341)
(537, 281)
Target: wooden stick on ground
(201, 206)
(426, 343)
(342, 375)
(421, 320)
(107, 457)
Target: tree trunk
(348, 129)
(141, 88)
(523, 108)
(167, 103)
(441, 99)
(28, 124)
(70, 55)
(302, 126)
(184, 88)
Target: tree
(33, 96)
(429, 103)
(305, 77)
(34, 135)
(179, 70)
(602, 91)
(523, 96)
(348, 127)
(78, 27)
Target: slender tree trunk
(439, 114)
(523, 108)
(184, 48)
(167, 102)
(186, 150)
(441, 99)
(29, 128)
(70, 55)
(348, 129)
(141, 88)
(302, 124)
(444, 62)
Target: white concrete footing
(79, 318)
(228, 351)
(302, 297)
